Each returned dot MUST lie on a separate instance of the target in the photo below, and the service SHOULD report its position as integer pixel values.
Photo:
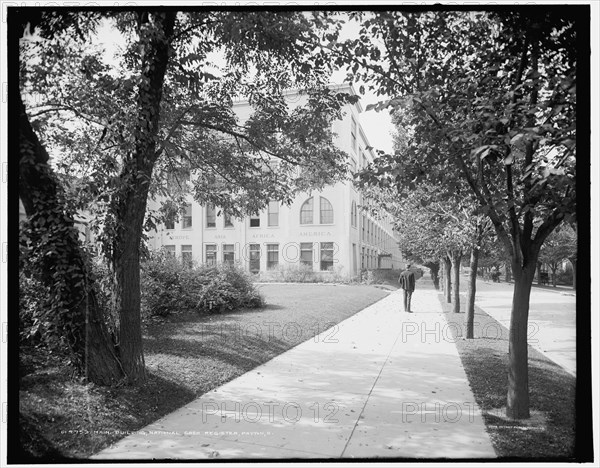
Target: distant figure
(407, 283)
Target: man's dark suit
(407, 283)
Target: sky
(376, 125)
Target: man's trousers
(407, 297)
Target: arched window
(306, 212)
(326, 211)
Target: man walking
(407, 283)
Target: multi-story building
(324, 230)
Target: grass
(186, 355)
(550, 433)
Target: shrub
(229, 287)
(170, 286)
(300, 273)
(565, 276)
(160, 281)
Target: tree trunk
(471, 292)
(554, 267)
(539, 272)
(81, 323)
(434, 269)
(574, 265)
(129, 203)
(517, 402)
(508, 269)
(456, 258)
(127, 294)
(447, 279)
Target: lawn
(550, 433)
(186, 356)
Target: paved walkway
(552, 317)
(382, 383)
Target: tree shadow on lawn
(62, 418)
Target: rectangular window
(227, 220)
(228, 253)
(353, 134)
(363, 227)
(272, 255)
(255, 221)
(187, 217)
(211, 254)
(186, 254)
(170, 221)
(211, 216)
(273, 213)
(170, 249)
(306, 253)
(326, 256)
(362, 259)
(254, 258)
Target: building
(325, 230)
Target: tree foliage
(164, 107)
(487, 99)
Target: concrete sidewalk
(383, 383)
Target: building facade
(326, 231)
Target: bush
(228, 287)
(565, 276)
(300, 273)
(169, 286)
(160, 282)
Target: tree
(559, 246)
(51, 252)
(490, 99)
(164, 108)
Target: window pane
(306, 212)
(273, 213)
(306, 253)
(186, 254)
(228, 253)
(254, 258)
(187, 217)
(272, 255)
(254, 221)
(170, 221)
(326, 256)
(228, 222)
(211, 254)
(326, 211)
(170, 250)
(211, 216)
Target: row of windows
(372, 233)
(305, 254)
(369, 259)
(306, 215)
